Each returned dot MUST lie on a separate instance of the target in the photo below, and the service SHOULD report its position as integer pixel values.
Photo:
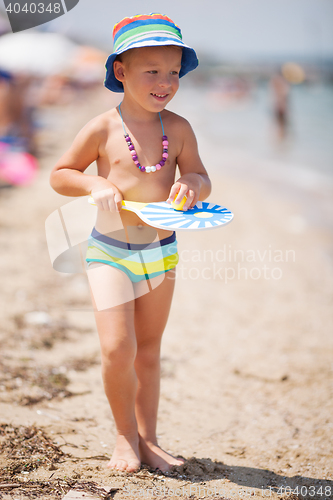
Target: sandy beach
(246, 390)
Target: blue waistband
(132, 246)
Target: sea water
(237, 136)
(247, 124)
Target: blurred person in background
(17, 163)
(280, 97)
(16, 124)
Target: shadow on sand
(198, 470)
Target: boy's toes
(167, 465)
(133, 466)
(117, 464)
(124, 465)
(179, 461)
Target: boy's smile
(160, 97)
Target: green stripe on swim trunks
(160, 265)
(144, 32)
(150, 254)
(94, 253)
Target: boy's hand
(188, 185)
(108, 198)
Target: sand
(246, 390)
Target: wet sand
(246, 393)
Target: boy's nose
(164, 81)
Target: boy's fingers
(181, 194)
(177, 190)
(190, 200)
(106, 205)
(173, 193)
(98, 202)
(118, 199)
(110, 204)
(107, 200)
(178, 193)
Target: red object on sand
(16, 167)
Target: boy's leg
(115, 324)
(151, 314)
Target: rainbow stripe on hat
(147, 30)
(141, 28)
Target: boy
(130, 309)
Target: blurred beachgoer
(149, 58)
(16, 124)
(280, 96)
(58, 90)
(6, 92)
(17, 164)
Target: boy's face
(150, 75)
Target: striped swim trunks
(138, 261)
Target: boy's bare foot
(152, 455)
(126, 455)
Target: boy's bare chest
(145, 148)
(116, 163)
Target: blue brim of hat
(189, 62)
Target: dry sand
(246, 392)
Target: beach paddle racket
(162, 215)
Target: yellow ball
(180, 205)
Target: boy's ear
(118, 69)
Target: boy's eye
(152, 71)
(175, 72)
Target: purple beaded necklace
(131, 148)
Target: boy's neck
(132, 111)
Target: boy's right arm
(68, 178)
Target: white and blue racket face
(202, 216)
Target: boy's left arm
(194, 181)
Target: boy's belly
(127, 226)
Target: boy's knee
(148, 354)
(119, 354)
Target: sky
(226, 29)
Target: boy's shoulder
(175, 120)
(179, 128)
(103, 123)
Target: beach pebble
(37, 318)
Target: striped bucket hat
(146, 31)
